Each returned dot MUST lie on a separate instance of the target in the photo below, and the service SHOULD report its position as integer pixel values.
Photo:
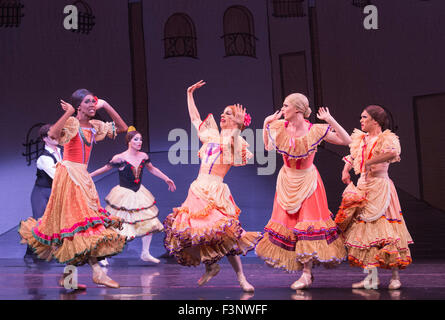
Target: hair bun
(131, 128)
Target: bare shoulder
(118, 157)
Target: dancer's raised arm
(340, 136)
(193, 110)
(121, 126)
(269, 119)
(56, 129)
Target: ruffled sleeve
(354, 158)
(69, 131)
(104, 129)
(296, 147)
(389, 142)
(208, 129)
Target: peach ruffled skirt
(206, 227)
(305, 234)
(74, 227)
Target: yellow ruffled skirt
(375, 232)
(74, 227)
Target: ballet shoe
(246, 286)
(394, 284)
(302, 283)
(79, 286)
(104, 262)
(211, 271)
(105, 280)
(362, 284)
(145, 256)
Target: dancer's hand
(323, 114)
(277, 115)
(171, 185)
(67, 107)
(240, 114)
(100, 104)
(346, 177)
(197, 85)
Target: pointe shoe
(145, 256)
(246, 286)
(62, 284)
(302, 283)
(105, 280)
(394, 284)
(211, 271)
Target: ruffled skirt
(136, 209)
(375, 231)
(74, 227)
(308, 235)
(206, 227)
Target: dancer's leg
(237, 266)
(145, 254)
(211, 271)
(306, 278)
(99, 276)
(395, 280)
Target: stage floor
(169, 281)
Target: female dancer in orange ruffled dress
(206, 227)
(301, 231)
(370, 214)
(74, 228)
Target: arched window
(180, 37)
(85, 18)
(361, 3)
(288, 8)
(239, 34)
(11, 13)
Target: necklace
(84, 139)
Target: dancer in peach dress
(206, 227)
(74, 228)
(301, 231)
(370, 214)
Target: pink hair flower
(247, 120)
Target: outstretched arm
(121, 126)
(340, 136)
(158, 173)
(100, 171)
(193, 110)
(56, 129)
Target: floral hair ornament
(131, 128)
(247, 120)
(96, 101)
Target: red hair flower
(247, 120)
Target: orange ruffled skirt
(206, 227)
(381, 241)
(310, 234)
(74, 227)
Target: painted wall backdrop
(41, 62)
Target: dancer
(46, 168)
(301, 231)
(130, 200)
(370, 214)
(74, 228)
(206, 227)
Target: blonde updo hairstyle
(301, 103)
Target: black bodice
(130, 177)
